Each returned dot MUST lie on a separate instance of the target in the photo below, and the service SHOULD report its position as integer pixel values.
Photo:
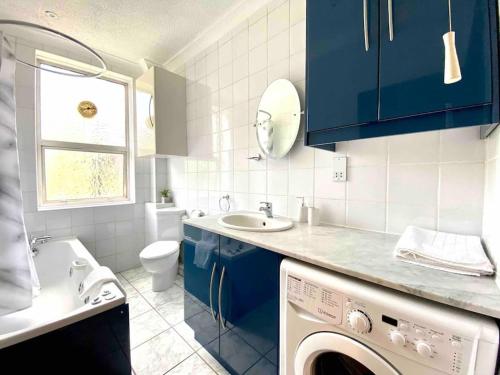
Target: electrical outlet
(340, 169)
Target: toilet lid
(159, 249)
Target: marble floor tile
(177, 310)
(137, 305)
(263, 367)
(207, 329)
(157, 299)
(134, 273)
(143, 284)
(179, 280)
(212, 362)
(193, 365)
(160, 354)
(146, 326)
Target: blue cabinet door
(342, 76)
(412, 64)
(201, 279)
(249, 310)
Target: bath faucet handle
(39, 239)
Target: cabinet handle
(391, 23)
(365, 24)
(221, 318)
(214, 316)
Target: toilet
(163, 235)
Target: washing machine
(334, 324)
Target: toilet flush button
(403, 327)
(419, 332)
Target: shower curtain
(15, 274)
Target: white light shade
(452, 72)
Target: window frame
(127, 151)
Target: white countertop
(368, 256)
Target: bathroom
(154, 222)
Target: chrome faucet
(34, 241)
(267, 208)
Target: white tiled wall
(114, 235)
(491, 234)
(431, 179)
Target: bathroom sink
(254, 222)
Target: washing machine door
(334, 354)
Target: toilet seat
(159, 249)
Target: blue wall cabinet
(400, 89)
(244, 308)
(342, 73)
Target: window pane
(83, 175)
(60, 97)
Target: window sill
(56, 207)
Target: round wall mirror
(278, 119)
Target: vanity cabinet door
(249, 297)
(412, 64)
(342, 71)
(201, 280)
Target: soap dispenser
(301, 212)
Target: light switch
(340, 168)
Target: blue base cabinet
(385, 76)
(237, 284)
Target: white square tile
(366, 215)
(325, 187)
(258, 33)
(400, 215)
(257, 182)
(240, 114)
(257, 58)
(278, 47)
(104, 231)
(297, 11)
(301, 182)
(226, 118)
(254, 201)
(105, 247)
(241, 160)
(226, 140)
(212, 61)
(280, 204)
(240, 43)
(240, 67)
(257, 84)
(279, 70)
(277, 182)
(226, 181)
(241, 138)
(461, 198)
(332, 211)
(226, 75)
(225, 53)
(240, 91)
(241, 182)
(367, 183)
(413, 184)
(58, 219)
(367, 152)
(302, 157)
(298, 66)
(414, 148)
(298, 37)
(462, 144)
(278, 19)
(226, 161)
(226, 97)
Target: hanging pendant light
(452, 73)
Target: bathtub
(58, 304)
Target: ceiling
(151, 29)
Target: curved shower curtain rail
(64, 36)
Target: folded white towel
(92, 283)
(445, 251)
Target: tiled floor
(160, 340)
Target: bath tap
(34, 241)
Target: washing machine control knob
(397, 338)
(359, 321)
(424, 349)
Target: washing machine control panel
(408, 334)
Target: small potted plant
(165, 196)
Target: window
(83, 138)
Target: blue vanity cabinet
(342, 73)
(411, 65)
(397, 86)
(244, 334)
(249, 311)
